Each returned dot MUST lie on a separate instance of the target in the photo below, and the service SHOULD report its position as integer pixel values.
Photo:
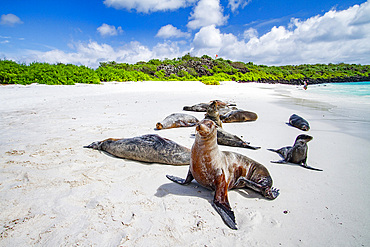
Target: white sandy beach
(56, 193)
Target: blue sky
(258, 31)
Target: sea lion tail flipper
(181, 181)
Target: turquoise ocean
(350, 105)
(346, 105)
(360, 89)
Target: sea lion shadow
(196, 190)
(249, 193)
(191, 190)
(283, 162)
(289, 125)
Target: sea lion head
(212, 109)
(206, 128)
(159, 126)
(305, 127)
(303, 138)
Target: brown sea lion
(176, 120)
(296, 154)
(220, 171)
(299, 122)
(147, 148)
(238, 116)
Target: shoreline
(55, 192)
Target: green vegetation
(187, 68)
(43, 73)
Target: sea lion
(213, 114)
(238, 116)
(224, 137)
(176, 120)
(147, 148)
(227, 139)
(299, 122)
(220, 171)
(296, 154)
(202, 107)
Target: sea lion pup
(213, 114)
(176, 120)
(299, 122)
(296, 154)
(238, 116)
(220, 171)
(147, 148)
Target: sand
(55, 193)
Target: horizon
(129, 31)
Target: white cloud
(336, 36)
(108, 30)
(206, 13)
(147, 6)
(209, 40)
(170, 31)
(250, 33)
(235, 4)
(90, 54)
(10, 20)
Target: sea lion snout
(204, 127)
(304, 137)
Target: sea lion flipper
(181, 181)
(250, 147)
(279, 161)
(264, 187)
(226, 214)
(311, 168)
(221, 202)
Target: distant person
(305, 85)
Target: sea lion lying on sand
(226, 139)
(176, 120)
(238, 116)
(202, 107)
(296, 154)
(220, 171)
(299, 122)
(147, 148)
